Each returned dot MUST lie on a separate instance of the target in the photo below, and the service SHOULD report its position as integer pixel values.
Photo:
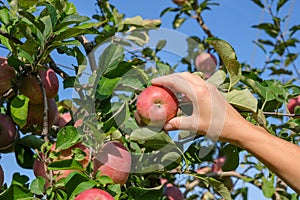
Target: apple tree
(87, 143)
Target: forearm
(280, 156)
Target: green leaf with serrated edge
(106, 87)
(242, 99)
(19, 110)
(228, 56)
(145, 193)
(67, 137)
(69, 164)
(31, 141)
(37, 186)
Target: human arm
(214, 117)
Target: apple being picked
(293, 103)
(155, 106)
(94, 194)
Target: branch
(57, 70)
(88, 47)
(10, 37)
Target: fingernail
(168, 126)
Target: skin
(280, 156)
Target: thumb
(179, 123)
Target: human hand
(211, 116)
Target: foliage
(120, 64)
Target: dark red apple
(7, 76)
(113, 160)
(1, 176)
(172, 192)
(206, 63)
(155, 106)
(29, 86)
(293, 103)
(8, 132)
(179, 2)
(35, 117)
(94, 194)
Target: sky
(230, 21)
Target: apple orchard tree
(89, 144)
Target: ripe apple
(155, 106)
(8, 132)
(40, 167)
(94, 194)
(29, 86)
(293, 103)
(218, 164)
(179, 2)
(1, 176)
(113, 160)
(172, 192)
(206, 63)
(7, 76)
(35, 117)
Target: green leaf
(145, 193)
(69, 164)
(220, 188)
(259, 3)
(271, 29)
(228, 56)
(106, 87)
(67, 137)
(31, 141)
(242, 99)
(217, 78)
(268, 186)
(232, 157)
(280, 4)
(160, 45)
(24, 156)
(151, 139)
(37, 186)
(71, 19)
(19, 110)
(178, 21)
(77, 182)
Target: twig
(10, 37)
(88, 47)
(45, 112)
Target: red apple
(1, 176)
(35, 117)
(172, 192)
(29, 86)
(7, 76)
(293, 103)
(206, 63)
(8, 132)
(94, 194)
(40, 167)
(179, 2)
(113, 160)
(218, 164)
(155, 106)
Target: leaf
(259, 3)
(268, 186)
(19, 110)
(242, 99)
(228, 56)
(31, 141)
(145, 193)
(106, 87)
(160, 45)
(118, 70)
(69, 164)
(220, 188)
(217, 78)
(67, 137)
(280, 4)
(71, 19)
(24, 156)
(37, 186)
(232, 157)
(178, 21)
(271, 29)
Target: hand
(212, 115)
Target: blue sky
(231, 21)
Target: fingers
(182, 123)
